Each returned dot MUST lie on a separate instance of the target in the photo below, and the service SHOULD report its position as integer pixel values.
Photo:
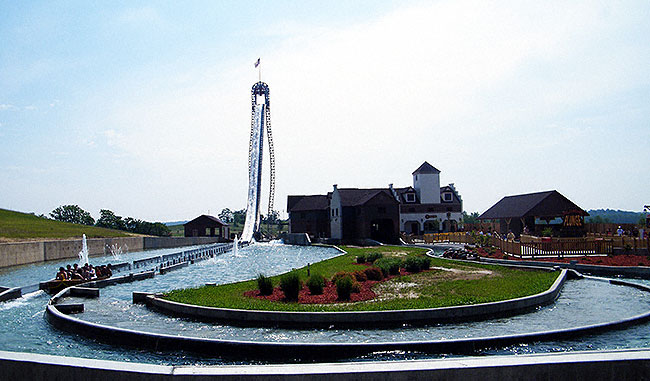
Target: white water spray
(235, 246)
(252, 206)
(83, 254)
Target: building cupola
(426, 182)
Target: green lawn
(467, 284)
(17, 226)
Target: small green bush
(360, 276)
(425, 263)
(412, 264)
(290, 285)
(361, 258)
(316, 283)
(389, 266)
(264, 284)
(373, 273)
(339, 275)
(547, 232)
(372, 257)
(344, 287)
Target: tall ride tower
(260, 120)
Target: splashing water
(83, 254)
(116, 251)
(235, 246)
(254, 177)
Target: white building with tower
(426, 207)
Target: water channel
(23, 328)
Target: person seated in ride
(109, 272)
(61, 275)
(68, 271)
(92, 274)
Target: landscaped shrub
(344, 287)
(425, 263)
(547, 232)
(360, 276)
(372, 257)
(373, 273)
(412, 264)
(264, 284)
(361, 258)
(290, 284)
(356, 287)
(415, 264)
(339, 275)
(389, 266)
(316, 283)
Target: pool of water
(23, 328)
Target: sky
(143, 107)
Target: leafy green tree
(470, 218)
(226, 215)
(239, 217)
(273, 218)
(72, 213)
(109, 220)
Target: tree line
(108, 219)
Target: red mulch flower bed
(614, 260)
(329, 295)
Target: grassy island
(441, 283)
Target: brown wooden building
(364, 214)
(309, 214)
(534, 212)
(206, 226)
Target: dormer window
(410, 197)
(447, 197)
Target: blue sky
(143, 107)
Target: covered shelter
(206, 226)
(534, 212)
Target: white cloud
(4, 106)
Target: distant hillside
(174, 223)
(15, 226)
(614, 216)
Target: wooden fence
(535, 246)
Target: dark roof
(211, 218)
(426, 168)
(305, 203)
(540, 204)
(356, 196)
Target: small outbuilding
(534, 212)
(207, 226)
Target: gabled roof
(540, 204)
(211, 218)
(426, 168)
(306, 203)
(356, 196)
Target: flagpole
(259, 72)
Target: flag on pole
(257, 63)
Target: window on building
(337, 212)
(447, 196)
(410, 197)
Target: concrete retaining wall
(13, 254)
(594, 366)
(359, 318)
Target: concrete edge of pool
(629, 364)
(358, 318)
(318, 351)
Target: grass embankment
(17, 226)
(448, 283)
